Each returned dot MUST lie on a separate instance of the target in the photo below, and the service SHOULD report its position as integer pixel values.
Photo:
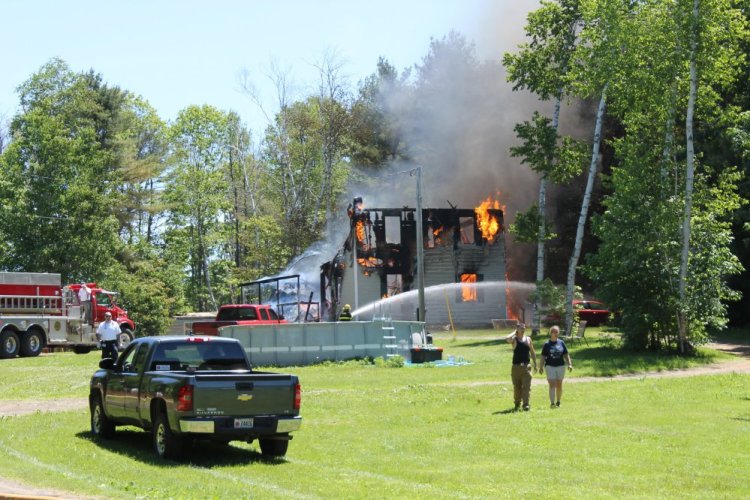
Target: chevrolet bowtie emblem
(244, 397)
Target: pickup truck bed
(187, 388)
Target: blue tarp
(451, 361)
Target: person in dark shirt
(346, 313)
(521, 371)
(553, 352)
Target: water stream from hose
(517, 289)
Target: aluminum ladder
(389, 337)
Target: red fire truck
(37, 311)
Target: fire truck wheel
(8, 344)
(32, 343)
(125, 338)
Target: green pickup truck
(186, 388)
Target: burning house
(463, 257)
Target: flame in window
(488, 223)
(468, 290)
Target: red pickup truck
(237, 314)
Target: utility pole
(420, 247)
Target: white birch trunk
(689, 146)
(536, 319)
(583, 215)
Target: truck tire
(124, 338)
(101, 425)
(32, 343)
(166, 443)
(273, 447)
(8, 344)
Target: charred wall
(382, 249)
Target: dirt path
(12, 489)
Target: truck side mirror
(107, 364)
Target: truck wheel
(8, 344)
(32, 343)
(101, 425)
(166, 443)
(124, 338)
(273, 447)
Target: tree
(334, 105)
(640, 264)
(595, 61)
(541, 65)
(142, 150)
(196, 191)
(377, 129)
(59, 187)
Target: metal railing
(24, 304)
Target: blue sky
(178, 53)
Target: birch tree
(641, 264)
(541, 66)
(595, 62)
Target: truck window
(140, 358)
(264, 314)
(126, 363)
(248, 313)
(103, 299)
(227, 314)
(199, 356)
(273, 314)
(221, 356)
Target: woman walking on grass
(553, 352)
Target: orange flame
(488, 223)
(369, 262)
(510, 302)
(468, 292)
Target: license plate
(243, 423)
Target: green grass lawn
(421, 431)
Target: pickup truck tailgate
(244, 395)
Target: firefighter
(346, 313)
(107, 333)
(84, 296)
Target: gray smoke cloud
(458, 126)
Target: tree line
(96, 186)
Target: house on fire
(462, 247)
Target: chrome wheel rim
(160, 432)
(96, 420)
(10, 344)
